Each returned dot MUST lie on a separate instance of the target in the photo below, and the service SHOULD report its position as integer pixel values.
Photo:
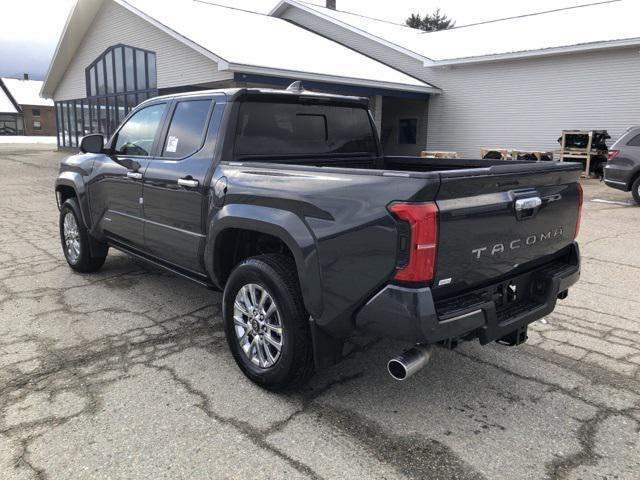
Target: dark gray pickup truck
(284, 200)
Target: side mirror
(93, 143)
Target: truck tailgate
(502, 218)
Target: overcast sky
(29, 29)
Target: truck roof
(294, 90)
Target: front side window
(36, 125)
(187, 128)
(137, 135)
(35, 112)
(269, 128)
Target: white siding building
(516, 82)
(115, 53)
(495, 84)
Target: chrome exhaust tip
(410, 362)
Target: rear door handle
(134, 175)
(188, 182)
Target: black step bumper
(488, 313)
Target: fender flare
(75, 181)
(282, 224)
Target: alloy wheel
(258, 325)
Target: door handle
(134, 175)
(188, 182)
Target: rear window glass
(187, 128)
(266, 128)
(634, 142)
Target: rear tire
(253, 334)
(635, 190)
(75, 239)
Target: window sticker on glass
(172, 144)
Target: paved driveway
(126, 374)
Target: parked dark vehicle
(622, 170)
(284, 200)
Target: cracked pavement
(126, 374)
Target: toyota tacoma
(284, 200)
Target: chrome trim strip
(616, 182)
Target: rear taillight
(580, 201)
(420, 247)
(612, 154)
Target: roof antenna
(296, 86)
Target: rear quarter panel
(346, 213)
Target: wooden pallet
(438, 154)
(585, 154)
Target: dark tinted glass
(137, 135)
(79, 122)
(141, 78)
(92, 81)
(121, 108)
(108, 60)
(151, 64)
(266, 128)
(634, 142)
(128, 68)
(86, 118)
(102, 116)
(131, 102)
(117, 56)
(407, 131)
(187, 128)
(95, 113)
(72, 124)
(100, 70)
(64, 124)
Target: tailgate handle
(528, 203)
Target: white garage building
(483, 85)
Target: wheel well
(66, 192)
(235, 245)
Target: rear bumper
(617, 177)
(413, 315)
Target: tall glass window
(108, 60)
(151, 66)
(117, 56)
(92, 82)
(141, 69)
(129, 69)
(117, 81)
(100, 72)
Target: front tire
(75, 239)
(266, 324)
(635, 190)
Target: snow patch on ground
(25, 139)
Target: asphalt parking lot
(126, 374)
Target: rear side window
(268, 128)
(634, 142)
(137, 135)
(187, 127)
